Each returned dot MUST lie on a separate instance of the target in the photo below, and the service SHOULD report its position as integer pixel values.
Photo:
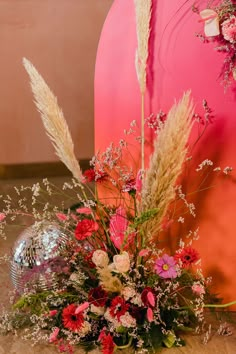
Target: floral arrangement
(112, 285)
(112, 282)
(220, 27)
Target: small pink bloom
(143, 253)
(82, 307)
(52, 313)
(86, 211)
(151, 298)
(139, 181)
(2, 216)
(165, 267)
(61, 217)
(53, 335)
(149, 314)
(198, 289)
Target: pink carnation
(229, 29)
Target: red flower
(129, 186)
(89, 175)
(118, 307)
(71, 320)
(187, 256)
(148, 297)
(98, 296)
(85, 228)
(107, 343)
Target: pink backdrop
(178, 62)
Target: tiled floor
(15, 345)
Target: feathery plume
(53, 120)
(166, 161)
(143, 16)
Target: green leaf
(170, 340)
(145, 216)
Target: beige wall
(60, 37)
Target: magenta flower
(165, 267)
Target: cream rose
(121, 262)
(100, 258)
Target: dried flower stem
(143, 16)
(53, 120)
(166, 162)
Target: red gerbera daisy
(71, 320)
(187, 256)
(107, 343)
(118, 307)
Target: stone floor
(15, 345)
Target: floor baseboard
(38, 170)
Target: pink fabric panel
(178, 61)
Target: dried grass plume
(53, 120)
(166, 162)
(143, 16)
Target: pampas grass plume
(53, 120)
(166, 162)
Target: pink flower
(85, 228)
(198, 289)
(61, 217)
(151, 298)
(2, 216)
(143, 253)
(149, 314)
(52, 313)
(148, 297)
(118, 227)
(82, 307)
(229, 29)
(86, 211)
(53, 335)
(165, 267)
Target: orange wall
(60, 37)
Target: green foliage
(38, 303)
(145, 216)
(153, 338)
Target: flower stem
(126, 345)
(221, 305)
(142, 132)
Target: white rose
(122, 262)
(100, 258)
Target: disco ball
(36, 258)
